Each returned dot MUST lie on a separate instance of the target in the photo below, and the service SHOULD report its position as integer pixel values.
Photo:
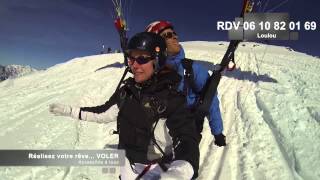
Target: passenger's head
(146, 54)
(165, 30)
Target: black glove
(220, 140)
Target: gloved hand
(179, 169)
(60, 109)
(64, 110)
(220, 140)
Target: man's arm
(215, 119)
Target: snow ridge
(270, 108)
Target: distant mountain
(13, 71)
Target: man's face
(141, 65)
(172, 41)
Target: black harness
(136, 137)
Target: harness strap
(165, 158)
(188, 76)
(145, 170)
(123, 96)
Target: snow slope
(270, 107)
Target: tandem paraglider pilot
(193, 83)
(155, 127)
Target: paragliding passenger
(155, 127)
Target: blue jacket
(200, 77)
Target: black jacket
(141, 106)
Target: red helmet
(158, 26)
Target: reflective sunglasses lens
(169, 35)
(139, 60)
(142, 60)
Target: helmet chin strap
(156, 65)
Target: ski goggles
(169, 35)
(140, 59)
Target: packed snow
(270, 106)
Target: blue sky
(42, 33)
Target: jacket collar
(174, 61)
(157, 82)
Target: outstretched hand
(60, 109)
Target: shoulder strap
(187, 65)
(188, 76)
(122, 97)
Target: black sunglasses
(169, 35)
(140, 59)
